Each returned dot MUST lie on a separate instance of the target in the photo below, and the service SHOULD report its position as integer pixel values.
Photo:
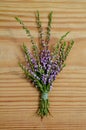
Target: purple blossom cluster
(33, 62)
(50, 67)
(55, 69)
(45, 58)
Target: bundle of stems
(42, 66)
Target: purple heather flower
(51, 67)
(33, 62)
(45, 58)
(44, 79)
(33, 74)
(55, 69)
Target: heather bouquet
(42, 65)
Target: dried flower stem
(39, 25)
(58, 45)
(48, 28)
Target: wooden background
(18, 98)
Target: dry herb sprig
(43, 66)
(39, 26)
(48, 28)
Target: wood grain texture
(18, 98)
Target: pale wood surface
(18, 98)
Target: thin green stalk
(69, 47)
(62, 51)
(26, 51)
(28, 75)
(48, 28)
(39, 25)
(43, 109)
(58, 45)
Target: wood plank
(18, 98)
